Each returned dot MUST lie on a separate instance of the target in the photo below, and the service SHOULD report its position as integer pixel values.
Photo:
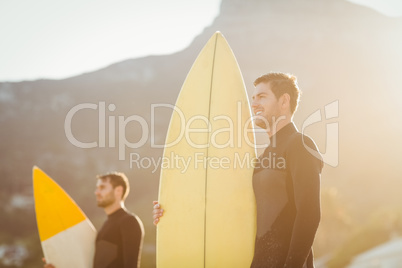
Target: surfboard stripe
(55, 210)
(207, 150)
(231, 205)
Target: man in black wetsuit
(286, 179)
(119, 241)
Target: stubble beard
(107, 201)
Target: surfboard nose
(55, 210)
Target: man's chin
(101, 205)
(105, 204)
(260, 123)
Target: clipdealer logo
(331, 155)
(236, 132)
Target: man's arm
(132, 233)
(305, 170)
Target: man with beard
(119, 241)
(286, 179)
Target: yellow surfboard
(206, 177)
(66, 234)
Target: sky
(58, 39)
(64, 38)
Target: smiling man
(287, 193)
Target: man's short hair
(117, 179)
(282, 83)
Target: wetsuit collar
(116, 213)
(284, 132)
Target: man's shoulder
(130, 219)
(300, 140)
(302, 149)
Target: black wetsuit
(286, 184)
(119, 241)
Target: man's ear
(119, 191)
(285, 101)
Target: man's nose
(253, 104)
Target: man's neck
(113, 208)
(278, 125)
